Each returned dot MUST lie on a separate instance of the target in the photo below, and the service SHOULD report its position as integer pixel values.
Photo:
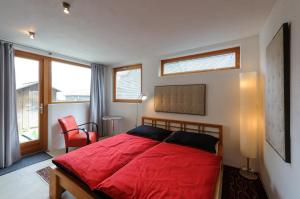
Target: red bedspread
(166, 171)
(95, 162)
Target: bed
(151, 158)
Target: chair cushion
(68, 123)
(79, 139)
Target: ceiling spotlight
(66, 7)
(31, 34)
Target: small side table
(112, 119)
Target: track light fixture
(66, 7)
(31, 34)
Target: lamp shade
(144, 97)
(248, 114)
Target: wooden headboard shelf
(180, 125)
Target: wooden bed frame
(61, 181)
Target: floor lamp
(248, 121)
(141, 98)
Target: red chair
(74, 135)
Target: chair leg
(67, 149)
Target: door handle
(41, 108)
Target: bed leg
(55, 189)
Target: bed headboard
(182, 99)
(196, 127)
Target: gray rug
(26, 161)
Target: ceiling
(118, 31)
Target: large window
(127, 83)
(216, 60)
(70, 82)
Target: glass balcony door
(30, 106)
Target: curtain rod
(43, 51)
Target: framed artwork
(278, 93)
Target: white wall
(282, 180)
(222, 93)
(79, 110)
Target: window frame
(45, 98)
(50, 80)
(236, 50)
(124, 68)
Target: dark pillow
(151, 132)
(196, 140)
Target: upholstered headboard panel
(184, 99)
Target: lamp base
(250, 175)
(247, 172)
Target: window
(70, 82)
(28, 98)
(216, 60)
(127, 83)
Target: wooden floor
(237, 187)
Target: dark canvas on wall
(183, 99)
(278, 93)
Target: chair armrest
(80, 129)
(93, 123)
(87, 135)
